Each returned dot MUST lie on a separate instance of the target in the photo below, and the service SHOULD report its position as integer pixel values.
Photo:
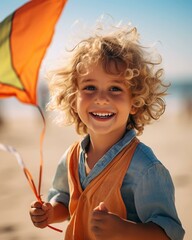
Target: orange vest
(106, 187)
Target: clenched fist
(41, 214)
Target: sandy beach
(170, 139)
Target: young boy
(110, 185)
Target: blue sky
(167, 21)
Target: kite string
(42, 136)
(28, 175)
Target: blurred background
(165, 23)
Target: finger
(39, 219)
(42, 224)
(46, 206)
(37, 212)
(98, 215)
(102, 207)
(95, 229)
(96, 208)
(36, 204)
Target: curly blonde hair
(122, 49)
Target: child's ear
(133, 110)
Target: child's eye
(89, 88)
(115, 89)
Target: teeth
(103, 114)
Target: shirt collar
(127, 137)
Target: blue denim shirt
(147, 189)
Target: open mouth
(102, 115)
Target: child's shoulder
(145, 165)
(144, 158)
(146, 151)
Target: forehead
(112, 68)
(97, 75)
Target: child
(110, 185)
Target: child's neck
(99, 145)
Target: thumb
(101, 207)
(46, 206)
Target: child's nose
(101, 98)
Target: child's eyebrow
(119, 81)
(87, 80)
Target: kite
(24, 38)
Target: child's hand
(41, 214)
(106, 225)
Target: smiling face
(103, 102)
